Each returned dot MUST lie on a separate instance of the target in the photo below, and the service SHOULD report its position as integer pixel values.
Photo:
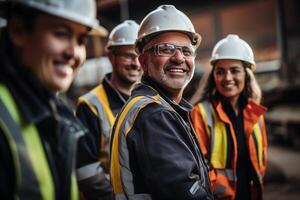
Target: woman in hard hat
(41, 49)
(229, 123)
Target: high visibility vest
(98, 103)
(34, 180)
(119, 155)
(218, 152)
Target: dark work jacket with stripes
(164, 156)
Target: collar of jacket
(34, 102)
(251, 111)
(150, 87)
(112, 91)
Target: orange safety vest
(210, 121)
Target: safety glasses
(168, 49)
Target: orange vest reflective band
(98, 103)
(217, 132)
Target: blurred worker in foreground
(229, 123)
(41, 49)
(155, 153)
(98, 108)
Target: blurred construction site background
(271, 27)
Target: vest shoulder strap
(98, 102)
(27, 186)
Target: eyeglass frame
(155, 49)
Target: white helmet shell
(232, 47)
(123, 34)
(79, 11)
(165, 18)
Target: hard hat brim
(95, 28)
(98, 31)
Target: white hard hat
(164, 19)
(232, 47)
(79, 11)
(123, 34)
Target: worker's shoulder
(153, 110)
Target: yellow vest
(33, 175)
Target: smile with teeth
(63, 68)
(229, 86)
(176, 70)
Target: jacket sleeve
(163, 149)
(93, 182)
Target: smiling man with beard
(97, 109)
(154, 150)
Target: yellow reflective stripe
(218, 137)
(144, 105)
(39, 161)
(258, 136)
(93, 109)
(219, 148)
(10, 103)
(115, 163)
(101, 95)
(12, 108)
(204, 117)
(34, 148)
(74, 188)
(14, 152)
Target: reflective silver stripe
(126, 175)
(125, 172)
(195, 187)
(260, 178)
(27, 186)
(103, 120)
(229, 173)
(210, 120)
(88, 171)
(211, 126)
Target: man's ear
(17, 32)
(143, 62)
(111, 56)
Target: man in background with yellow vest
(41, 49)
(230, 125)
(98, 108)
(155, 153)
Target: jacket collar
(116, 94)
(251, 111)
